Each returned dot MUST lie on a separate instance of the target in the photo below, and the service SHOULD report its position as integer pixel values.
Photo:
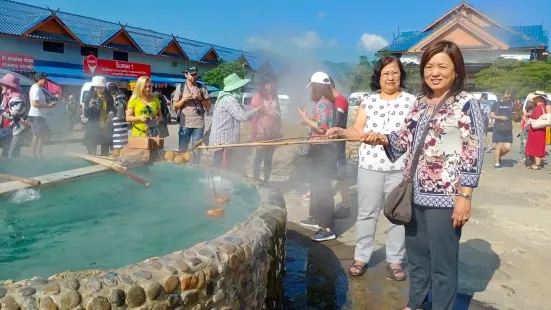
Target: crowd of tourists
(533, 135)
(420, 158)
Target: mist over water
(25, 195)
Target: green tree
(215, 77)
(360, 78)
(517, 76)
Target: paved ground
(504, 251)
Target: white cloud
(308, 40)
(332, 42)
(321, 15)
(258, 42)
(372, 42)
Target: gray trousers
(432, 245)
(373, 188)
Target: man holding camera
(192, 99)
(40, 101)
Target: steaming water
(25, 195)
(221, 184)
(109, 221)
(28, 168)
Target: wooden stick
(20, 179)
(111, 165)
(290, 138)
(220, 146)
(100, 161)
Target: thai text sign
(105, 67)
(16, 62)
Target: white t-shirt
(36, 94)
(384, 117)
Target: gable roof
(450, 14)
(531, 36)
(16, 18)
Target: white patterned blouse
(383, 117)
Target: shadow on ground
(316, 277)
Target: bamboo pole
(100, 161)
(111, 165)
(275, 143)
(20, 179)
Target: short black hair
(484, 96)
(39, 76)
(454, 52)
(383, 62)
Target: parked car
(84, 92)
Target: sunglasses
(193, 74)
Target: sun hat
(320, 78)
(10, 80)
(233, 82)
(538, 93)
(99, 81)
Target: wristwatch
(466, 196)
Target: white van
(84, 91)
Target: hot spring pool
(28, 167)
(108, 221)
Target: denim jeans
(193, 134)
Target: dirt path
(504, 249)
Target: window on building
(87, 51)
(53, 47)
(174, 64)
(122, 56)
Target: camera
(199, 109)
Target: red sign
(96, 66)
(16, 62)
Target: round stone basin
(28, 167)
(108, 221)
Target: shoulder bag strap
(424, 133)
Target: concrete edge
(243, 268)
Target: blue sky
(321, 30)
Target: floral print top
(453, 150)
(324, 114)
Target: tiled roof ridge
(509, 28)
(119, 25)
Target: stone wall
(243, 269)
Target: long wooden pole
(20, 179)
(275, 143)
(106, 163)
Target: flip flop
(395, 271)
(362, 269)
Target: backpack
(180, 88)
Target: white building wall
(33, 47)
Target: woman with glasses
(383, 111)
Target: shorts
(506, 137)
(39, 126)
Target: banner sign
(16, 62)
(96, 66)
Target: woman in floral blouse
(322, 205)
(447, 172)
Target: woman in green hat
(226, 118)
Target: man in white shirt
(40, 101)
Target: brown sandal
(395, 271)
(361, 268)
